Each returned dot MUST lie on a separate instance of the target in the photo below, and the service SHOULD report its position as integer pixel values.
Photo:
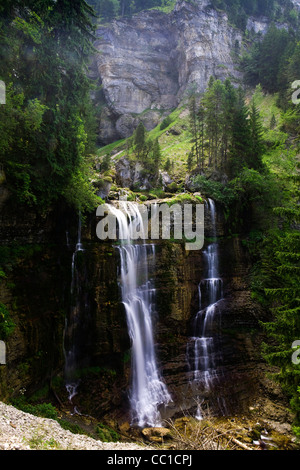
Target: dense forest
(48, 125)
(48, 143)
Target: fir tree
(282, 270)
(193, 117)
(140, 140)
(273, 121)
(256, 146)
(241, 136)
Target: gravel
(23, 431)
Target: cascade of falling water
(148, 391)
(72, 324)
(202, 355)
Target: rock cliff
(148, 64)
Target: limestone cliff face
(147, 64)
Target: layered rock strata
(148, 64)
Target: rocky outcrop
(131, 174)
(149, 63)
(37, 294)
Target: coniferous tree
(214, 120)
(167, 165)
(193, 116)
(273, 121)
(282, 271)
(140, 140)
(256, 146)
(241, 136)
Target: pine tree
(167, 165)
(273, 121)
(241, 136)
(213, 101)
(283, 292)
(193, 117)
(230, 99)
(256, 145)
(140, 140)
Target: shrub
(6, 323)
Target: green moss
(106, 434)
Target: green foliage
(106, 162)
(165, 123)
(7, 325)
(147, 152)
(274, 63)
(47, 125)
(276, 281)
(209, 188)
(106, 434)
(44, 410)
(226, 134)
(72, 427)
(140, 141)
(79, 192)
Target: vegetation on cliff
(47, 125)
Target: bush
(174, 187)
(212, 189)
(43, 410)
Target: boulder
(156, 434)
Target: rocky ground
(22, 431)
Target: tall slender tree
(256, 143)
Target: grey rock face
(147, 64)
(129, 173)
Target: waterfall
(73, 332)
(201, 348)
(148, 391)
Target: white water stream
(201, 349)
(148, 391)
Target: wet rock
(156, 434)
